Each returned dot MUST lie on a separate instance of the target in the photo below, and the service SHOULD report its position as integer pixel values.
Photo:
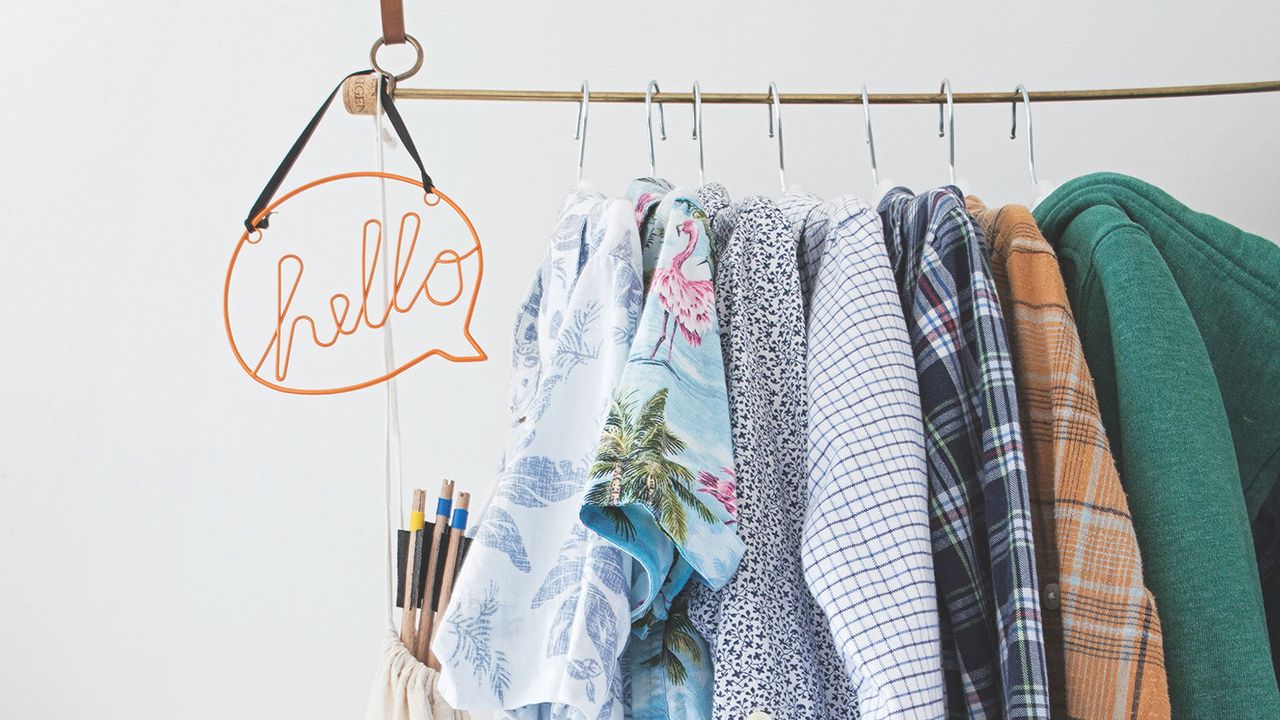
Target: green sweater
(1179, 313)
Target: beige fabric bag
(405, 689)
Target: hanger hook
(949, 128)
(871, 141)
(1013, 129)
(662, 122)
(775, 121)
(697, 131)
(580, 132)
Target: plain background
(178, 542)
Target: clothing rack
(935, 98)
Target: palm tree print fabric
(663, 473)
(770, 644)
(541, 611)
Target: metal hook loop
(417, 63)
(949, 129)
(697, 131)
(775, 120)
(1013, 129)
(580, 132)
(662, 122)
(871, 142)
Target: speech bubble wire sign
(315, 329)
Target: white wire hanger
(879, 186)
(775, 130)
(662, 123)
(580, 132)
(947, 129)
(1040, 188)
(697, 132)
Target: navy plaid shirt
(979, 507)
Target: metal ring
(417, 65)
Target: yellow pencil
(408, 614)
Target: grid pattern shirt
(865, 546)
(980, 513)
(1103, 643)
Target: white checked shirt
(866, 549)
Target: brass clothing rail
(934, 98)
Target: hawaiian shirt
(539, 616)
(665, 438)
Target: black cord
(277, 178)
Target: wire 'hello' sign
(304, 314)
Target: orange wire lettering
(290, 269)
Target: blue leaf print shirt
(540, 614)
(663, 472)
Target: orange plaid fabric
(1103, 643)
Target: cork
(360, 94)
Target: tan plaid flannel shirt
(1103, 641)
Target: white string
(391, 463)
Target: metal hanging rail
(934, 98)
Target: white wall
(178, 542)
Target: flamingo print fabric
(664, 470)
(540, 613)
(770, 644)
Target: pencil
(456, 529)
(408, 615)
(427, 618)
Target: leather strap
(397, 123)
(393, 22)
